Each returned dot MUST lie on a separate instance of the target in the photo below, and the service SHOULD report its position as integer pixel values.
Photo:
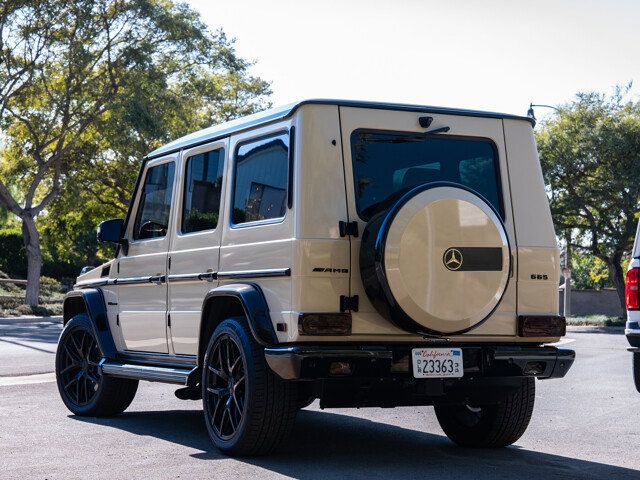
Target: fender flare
(96, 310)
(254, 305)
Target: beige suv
(362, 254)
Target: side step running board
(150, 373)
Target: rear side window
(202, 189)
(261, 179)
(152, 218)
(388, 164)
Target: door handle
(209, 276)
(157, 279)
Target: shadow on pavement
(332, 446)
(34, 332)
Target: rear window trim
(496, 164)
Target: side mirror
(110, 231)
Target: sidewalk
(30, 319)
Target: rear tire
(636, 369)
(83, 388)
(248, 409)
(489, 426)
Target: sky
(489, 55)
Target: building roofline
(226, 129)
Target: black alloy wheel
(80, 374)
(226, 387)
(248, 409)
(83, 388)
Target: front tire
(83, 388)
(636, 369)
(489, 426)
(248, 409)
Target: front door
(142, 286)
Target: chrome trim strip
(192, 277)
(99, 282)
(157, 279)
(273, 272)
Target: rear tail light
(632, 299)
(324, 324)
(541, 326)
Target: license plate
(437, 362)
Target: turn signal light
(631, 296)
(324, 324)
(541, 326)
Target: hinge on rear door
(349, 303)
(348, 228)
(169, 320)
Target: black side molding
(96, 310)
(254, 305)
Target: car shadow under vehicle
(328, 446)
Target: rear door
(195, 247)
(378, 165)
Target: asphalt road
(586, 426)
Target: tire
(83, 388)
(636, 369)
(489, 426)
(254, 415)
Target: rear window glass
(261, 179)
(388, 164)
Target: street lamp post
(531, 114)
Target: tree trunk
(31, 239)
(614, 265)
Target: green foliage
(197, 221)
(589, 273)
(13, 258)
(590, 155)
(87, 89)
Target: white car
(363, 254)
(632, 300)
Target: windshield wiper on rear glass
(437, 130)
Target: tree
(590, 155)
(65, 67)
(146, 114)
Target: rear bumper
(312, 362)
(632, 331)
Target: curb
(30, 319)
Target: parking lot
(584, 426)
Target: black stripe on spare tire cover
(475, 259)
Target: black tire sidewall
(235, 329)
(79, 322)
(636, 370)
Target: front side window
(202, 189)
(261, 178)
(388, 164)
(152, 217)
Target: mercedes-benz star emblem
(452, 258)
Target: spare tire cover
(436, 262)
